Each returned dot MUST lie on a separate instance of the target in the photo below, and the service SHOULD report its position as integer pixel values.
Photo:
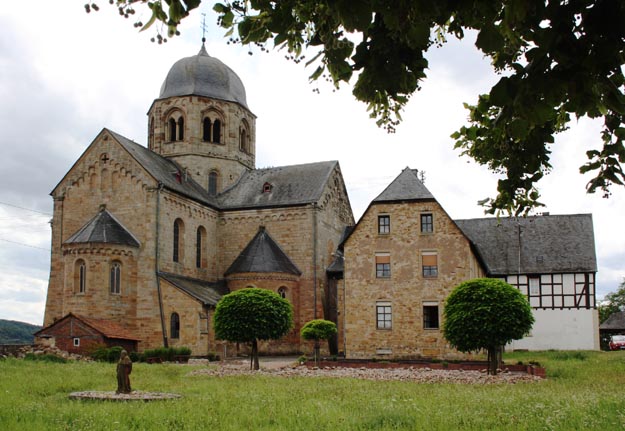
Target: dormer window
(267, 188)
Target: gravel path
(409, 374)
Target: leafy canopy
(251, 314)
(318, 329)
(613, 302)
(485, 313)
(558, 60)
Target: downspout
(156, 264)
(344, 313)
(314, 266)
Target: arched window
(178, 240)
(206, 130)
(116, 278)
(217, 132)
(213, 176)
(180, 129)
(200, 261)
(243, 140)
(174, 329)
(172, 129)
(282, 292)
(80, 276)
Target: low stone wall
(13, 349)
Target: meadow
(583, 390)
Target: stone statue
(124, 368)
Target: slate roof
(263, 254)
(208, 293)
(290, 185)
(406, 187)
(103, 228)
(616, 321)
(203, 75)
(338, 264)
(169, 173)
(548, 244)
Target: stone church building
(145, 241)
(151, 238)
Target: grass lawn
(583, 390)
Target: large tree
(486, 313)
(557, 59)
(251, 314)
(613, 302)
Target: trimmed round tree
(318, 329)
(486, 313)
(252, 314)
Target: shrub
(106, 354)
(166, 353)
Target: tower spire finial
(203, 28)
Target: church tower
(202, 122)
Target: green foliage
(106, 354)
(318, 329)
(166, 353)
(485, 313)
(558, 60)
(45, 358)
(613, 302)
(12, 332)
(252, 314)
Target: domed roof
(203, 75)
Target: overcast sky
(65, 74)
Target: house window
(80, 276)
(427, 223)
(116, 278)
(534, 286)
(178, 240)
(282, 292)
(382, 265)
(212, 183)
(383, 315)
(199, 244)
(174, 329)
(429, 262)
(384, 224)
(430, 315)
(76, 342)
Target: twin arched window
(282, 292)
(175, 124)
(211, 130)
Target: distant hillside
(12, 332)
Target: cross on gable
(104, 157)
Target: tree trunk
(317, 355)
(494, 359)
(255, 365)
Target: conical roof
(263, 254)
(104, 229)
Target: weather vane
(422, 176)
(203, 27)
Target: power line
(25, 209)
(25, 245)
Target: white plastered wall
(574, 329)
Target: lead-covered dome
(203, 75)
